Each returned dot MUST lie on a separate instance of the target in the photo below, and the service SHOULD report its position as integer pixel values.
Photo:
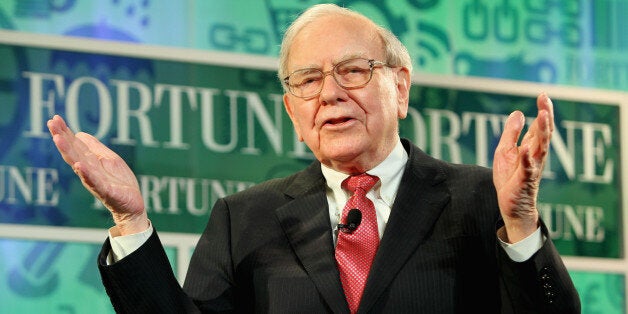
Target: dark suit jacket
(270, 249)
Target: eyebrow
(348, 56)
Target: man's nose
(330, 89)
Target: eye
(306, 81)
(351, 69)
(305, 78)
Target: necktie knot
(363, 182)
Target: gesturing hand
(517, 170)
(104, 174)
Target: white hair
(396, 54)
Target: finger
(539, 135)
(540, 132)
(543, 125)
(71, 146)
(63, 139)
(56, 124)
(544, 103)
(512, 131)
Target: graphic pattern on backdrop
(573, 42)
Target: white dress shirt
(382, 195)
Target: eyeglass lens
(351, 73)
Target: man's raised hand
(104, 174)
(517, 169)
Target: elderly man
(374, 225)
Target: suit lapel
(421, 198)
(305, 221)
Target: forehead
(331, 39)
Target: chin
(343, 152)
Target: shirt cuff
(524, 249)
(123, 246)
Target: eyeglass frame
(372, 64)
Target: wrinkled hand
(104, 174)
(517, 170)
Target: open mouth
(338, 120)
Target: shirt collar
(389, 172)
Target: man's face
(350, 130)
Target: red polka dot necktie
(356, 248)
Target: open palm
(517, 169)
(104, 173)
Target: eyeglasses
(349, 74)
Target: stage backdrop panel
(196, 126)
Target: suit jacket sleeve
(143, 282)
(538, 285)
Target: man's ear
(403, 84)
(289, 109)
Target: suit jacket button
(546, 283)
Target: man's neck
(363, 162)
